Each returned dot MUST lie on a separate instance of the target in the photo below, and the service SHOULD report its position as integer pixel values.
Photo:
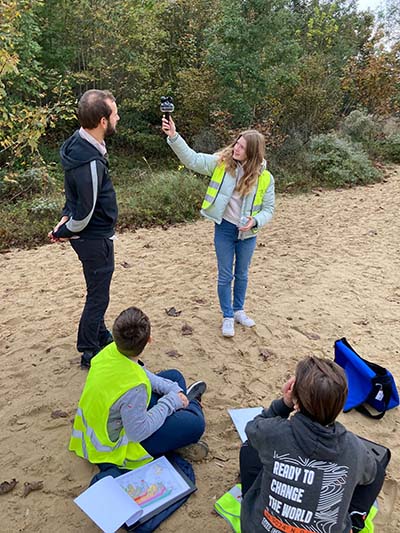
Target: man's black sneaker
(86, 358)
(196, 390)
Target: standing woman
(240, 199)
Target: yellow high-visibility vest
(110, 376)
(217, 178)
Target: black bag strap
(378, 384)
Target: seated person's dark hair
(131, 331)
(320, 389)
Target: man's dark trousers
(97, 258)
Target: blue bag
(368, 382)
(152, 524)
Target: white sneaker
(242, 318)
(228, 327)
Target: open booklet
(134, 497)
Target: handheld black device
(166, 106)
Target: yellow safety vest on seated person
(110, 376)
(217, 178)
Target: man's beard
(110, 130)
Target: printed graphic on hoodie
(294, 480)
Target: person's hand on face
(287, 391)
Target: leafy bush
(17, 184)
(334, 161)
(148, 144)
(389, 148)
(22, 227)
(205, 141)
(164, 198)
(289, 164)
(148, 198)
(291, 153)
(360, 127)
(45, 207)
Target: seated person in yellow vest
(307, 473)
(240, 199)
(127, 415)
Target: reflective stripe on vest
(264, 180)
(111, 375)
(214, 186)
(123, 441)
(216, 181)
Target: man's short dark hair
(320, 389)
(131, 331)
(93, 106)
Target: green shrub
(23, 227)
(163, 198)
(389, 148)
(148, 198)
(18, 184)
(335, 161)
(291, 179)
(148, 144)
(45, 207)
(360, 127)
(288, 163)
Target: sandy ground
(327, 267)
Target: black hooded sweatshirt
(309, 474)
(90, 197)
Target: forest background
(320, 79)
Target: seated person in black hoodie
(307, 473)
(90, 213)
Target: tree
(30, 97)
(22, 118)
(372, 80)
(252, 49)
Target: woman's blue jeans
(233, 257)
(183, 427)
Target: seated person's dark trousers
(97, 258)
(361, 502)
(180, 429)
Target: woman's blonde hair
(255, 152)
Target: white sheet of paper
(240, 417)
(108, 505)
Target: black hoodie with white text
(309, 474)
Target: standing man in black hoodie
(90, 213)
